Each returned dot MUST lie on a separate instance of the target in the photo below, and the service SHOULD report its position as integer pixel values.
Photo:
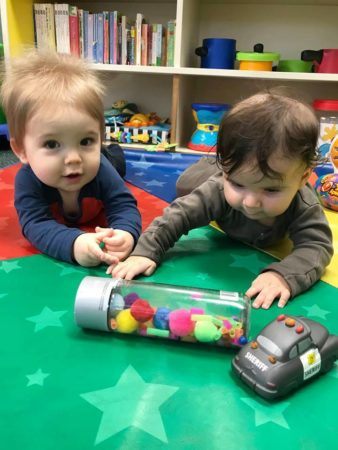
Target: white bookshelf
(287, 27)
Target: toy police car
(287, 352)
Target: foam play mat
(68, 388)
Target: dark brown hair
(262, 125)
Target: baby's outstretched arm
(87, 251)
(131, 267)
(267, 287)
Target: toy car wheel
(328, 365)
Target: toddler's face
(263, 198)
(63, 148)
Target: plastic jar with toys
(165, 311)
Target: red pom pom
(141, 310)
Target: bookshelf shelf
(135, 69)
(284, 26)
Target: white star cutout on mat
(46, 318)
(268, 413)
(131, 402)
(37, 378)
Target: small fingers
(263, 301)
(268, 295)
(109, 259)
(117, 271)
(101, 256)
(126, 273)
(114, 241)
(252, 291)
(102, 233)
(284, 298)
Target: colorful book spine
(164, 47)
(131, 39)
(138, 44)
(119, 42)
(81, 33)
(117, 21)
(38, 25)
(154, 45)
(99, 54)
(57, 19)
(64, 8)
(105, 37)
(159, 44)
(95, 37)
(50, 25)
(150, 44)
(124, 27)
(85, 34)
(111, 37)
(74, 31)
(90, 37)
(144, 44)
(171, 31)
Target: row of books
(108, 37)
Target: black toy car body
(287, 352)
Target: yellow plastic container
(257, 60)
(256, 65)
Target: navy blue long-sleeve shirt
(51, 231)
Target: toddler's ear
(306, 176)
(18, 150)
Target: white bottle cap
(92, 302)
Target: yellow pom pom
(125, 322)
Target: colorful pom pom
(141, 310)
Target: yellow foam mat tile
(284, 247)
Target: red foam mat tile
(14, 245)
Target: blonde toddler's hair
(40, 79)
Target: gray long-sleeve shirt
(304, 222)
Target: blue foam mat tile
(157, 172)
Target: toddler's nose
(251, 200)
(72, 156)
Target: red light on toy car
(290, 322)
(299, 329)
(254, 344)
(281, 317)
(272, 359)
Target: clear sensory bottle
(162, 310)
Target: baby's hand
(87, 251)
(267, 287)
(132, 266)
(118, 243)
